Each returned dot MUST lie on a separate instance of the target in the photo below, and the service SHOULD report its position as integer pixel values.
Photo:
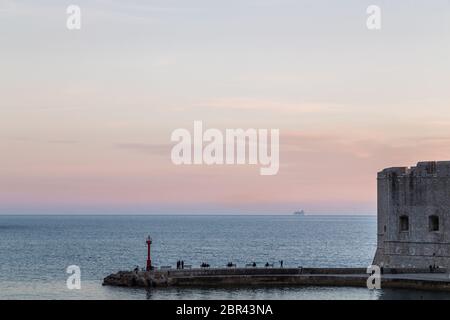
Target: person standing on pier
(182, 264)
(281, 263)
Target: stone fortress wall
(414, 216)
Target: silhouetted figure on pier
(281, 263)
(182, 264)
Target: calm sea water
(36, 250)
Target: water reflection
(293, 293)
(405, 294)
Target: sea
(36, 251)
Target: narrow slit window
(404, 223)
(433, 223)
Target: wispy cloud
(264, 105)
(154, 149)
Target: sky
(86, 115)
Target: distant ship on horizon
(299, 213)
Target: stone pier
(232, 277)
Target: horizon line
(189, 214)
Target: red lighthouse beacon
(149, 260)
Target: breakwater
(221, 277)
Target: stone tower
(414, 216)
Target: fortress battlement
(435, 169)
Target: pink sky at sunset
(86, 117)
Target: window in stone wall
(404, 223)
(433, 223)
